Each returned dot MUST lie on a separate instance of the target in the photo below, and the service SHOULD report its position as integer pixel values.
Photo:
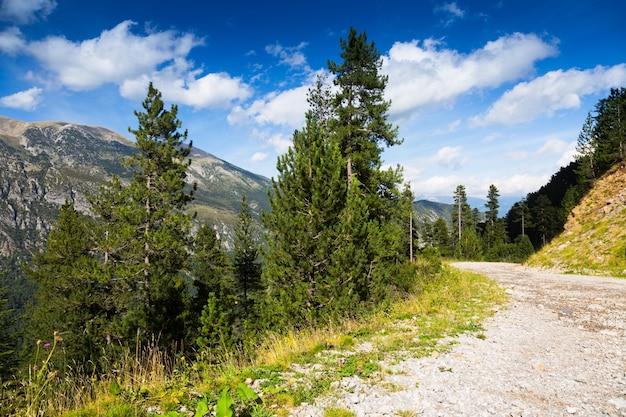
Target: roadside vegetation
(289, 368)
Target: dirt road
(562, 340)
(557, 348)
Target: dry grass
(593, 241)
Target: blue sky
(483, 92)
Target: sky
(482, 92)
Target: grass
(288, 369)
(594, 235)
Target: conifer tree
(8, 340)
(146, 237)
(215, 332)
(461, 213)
(586, 148)
(246, 266)
(611, 129)
(306, 201)
(359, 126)
(361, 111)
(441, 237)
(71, 298)
(494, 228)
(211, 274)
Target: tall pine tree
(144, 234)
(306, 201)
(246, 266)
(72, 297)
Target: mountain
(47, 163)
(429, 211)
(594, 236)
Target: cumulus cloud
(11, 41)
(258, 156)
(286, 108)
(427, 73)
(449, 156)
(552, 146)
(569, 155)
(554, 91)
(516, 185)
(121, 57)
(25, 11)
(280, 143)
(24, 100)
(291, 56)
(116, 55)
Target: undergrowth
(286, 370)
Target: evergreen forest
(138, 272)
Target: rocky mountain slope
(46, 163)
(594, 239)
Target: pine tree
(586, 148)
(71, 296)
(215, 333)
(8, 339)
(441, 237)
(359, 125)
(145, 235)
(306, 201)
(494, 228)
(611, 129)
(210, 274)
(461, 213)
(246, 266)
(361, 110)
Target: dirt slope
(594, 240)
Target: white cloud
(121, 57)
(25, 11)
(280, 143)
(517, 185)
(521, 184)
(286, 108)
(11, 41)
(258, 156)
(454, 126)
(216, 90)
(554, 91)
(115, 56)
(426, 74)
(569, 155)
(449, 156)
(24, 100)
(290, 56)
(452, 10)
(552, 146)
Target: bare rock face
(45, 164)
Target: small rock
(571, 410)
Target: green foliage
(306, 202)
(462, 219)
(72, 296)
(8, 338)
(211, 274)
(441, 237)
(338, 232)
(114, 280)
(246, 266)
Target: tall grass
(148, 382)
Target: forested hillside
(594, 238)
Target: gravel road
(558, 348)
